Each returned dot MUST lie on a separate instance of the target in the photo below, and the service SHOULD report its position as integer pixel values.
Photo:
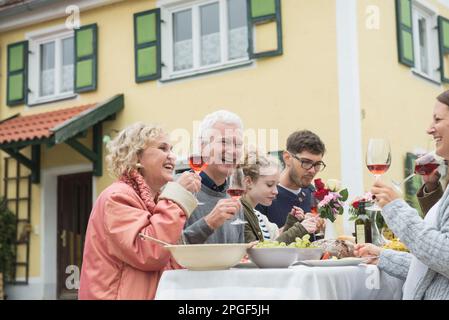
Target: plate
(344, 262)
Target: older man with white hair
(222, 143)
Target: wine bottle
(363, 232)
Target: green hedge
(7, 240)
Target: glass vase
(330, 231)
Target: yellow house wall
(397, 104)
(294, 91)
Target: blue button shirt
(208, 182)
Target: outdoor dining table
(294, 283)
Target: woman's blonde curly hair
(255, 163)
(125, 148)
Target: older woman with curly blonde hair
(117, 263)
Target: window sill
(42, 101)
(425, 77)
(198, 73)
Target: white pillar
(349, 103)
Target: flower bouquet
(358, 205)
(331, 198)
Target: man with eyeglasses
(303, 160)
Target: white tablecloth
(297, 282)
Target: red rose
(319, 184)
(355, 204)
(321, 193)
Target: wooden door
(74, 207)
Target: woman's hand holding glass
(431, 180)
(190, 181)
(383, 194)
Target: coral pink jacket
(117, 263)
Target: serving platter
(344, 262)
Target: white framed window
(51, 67)
(203, 35)
(425, 40)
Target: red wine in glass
(235, 193)
(378, 168)
(424, 166)
(197, 163)
(425, 169)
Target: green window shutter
(147, 45)
(17, 79)
(261, 12)
(86, 49)
(404, 26)
(443, 32)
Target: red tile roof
(37, 126)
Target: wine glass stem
(195, 194)
(408, 178)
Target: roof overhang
(29, 12)
(66, 131)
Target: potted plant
(7, 243)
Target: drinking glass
(424, 166)
(197, 163)
(236, 189)
(378, 160)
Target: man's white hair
(220, 116)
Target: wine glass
(378, 161)
(197, 163)
(424, 166)
(236, 189)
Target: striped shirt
(263, 226)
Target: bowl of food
(309, 254)
(305, 250)
(395, 244)
(208, 256)
(272, 254)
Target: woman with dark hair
(426, 268)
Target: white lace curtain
(67, 78)
(211, 49)
(47, 82)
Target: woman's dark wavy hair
(444, 97)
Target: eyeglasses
(308, 164)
